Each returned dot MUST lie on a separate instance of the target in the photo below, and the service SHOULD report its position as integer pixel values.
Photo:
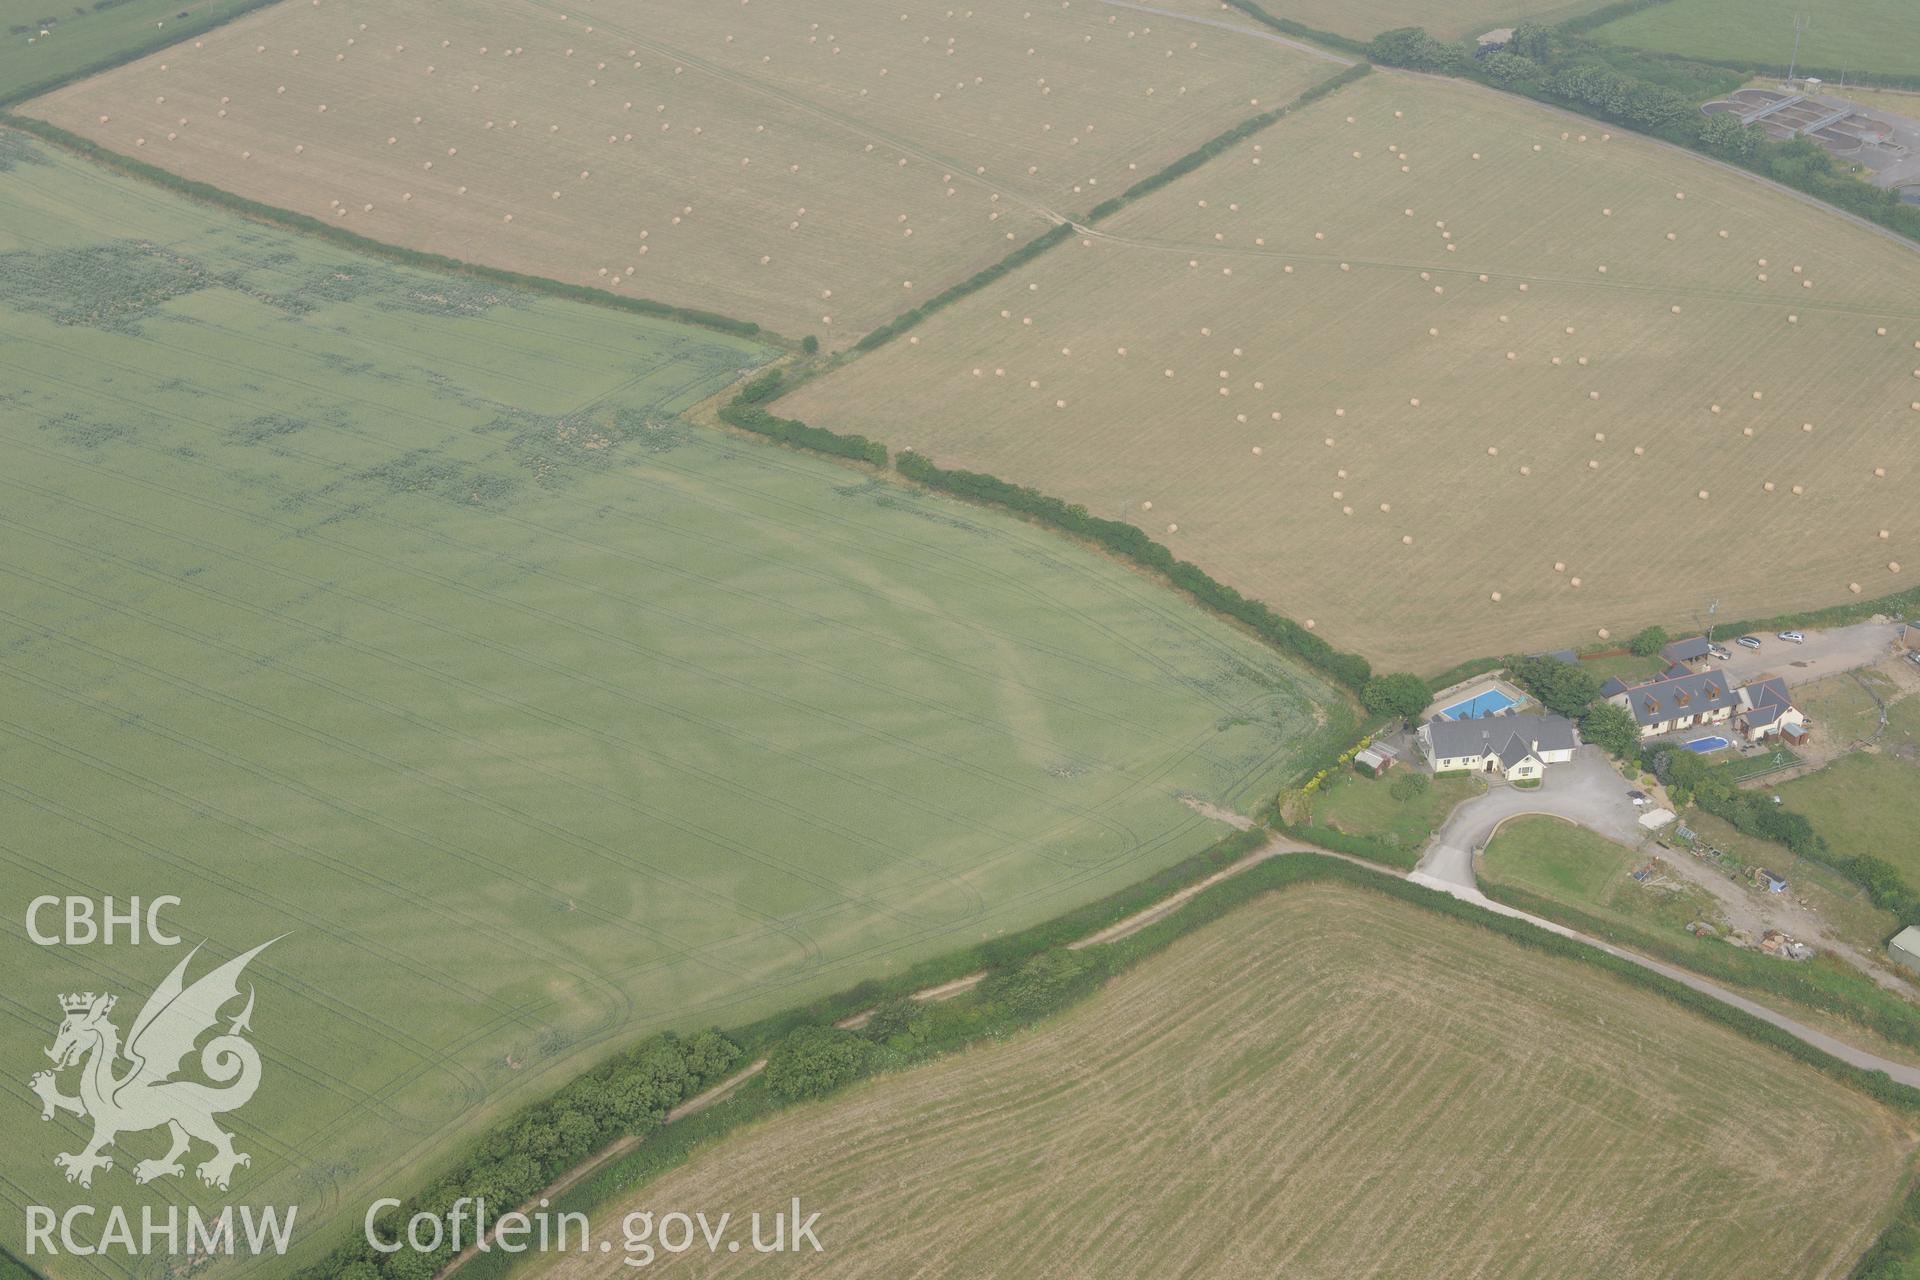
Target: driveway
(1825, 653)
(1586, 790)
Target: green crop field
(78, 36)
(1446, 373)
(815, 170)
(400, 614)
(1333, 1084)
(1862, 37)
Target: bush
(1399, 694)
(1613, 729)
(814, 1061)
(1413, 48)
(1408, 785)
(1563, 687)
(1647, 642)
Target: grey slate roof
(1681, 695)
(1687, 650)
(1614, 685)
(1500, 735)
(1768, 699)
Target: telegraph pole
(1800, 21)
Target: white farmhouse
(1517, 747)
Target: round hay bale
(1406, 539)
(1885, 534)
(1639, 451)
(1493, 451)
(1880, 473)
(1746, 431)
(1256, 451)
(1386, 506)
(1603, 633)
(1768, 486)
(1703, 495)
(1799, 489)
(1573, 582)
(1309, 624)
(1173, 528)
(1854, 587)
(1495, 597)
(1806, 426)
(1526, 471)
(1146, 506)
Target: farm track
(1280, 846)
(1440, 1134)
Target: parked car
(1748, 642)
(1719, 651)
(1793, 637)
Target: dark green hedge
(1214, 146)
(287, 218)
(972, 284)
(1129, 541)
(510, 1163)
(1380, 851)
(1106, 208)
(1300, 30)
(750, 417)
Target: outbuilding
(1905, 947)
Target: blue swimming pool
(1701, 746)
(1490, 703)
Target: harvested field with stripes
(1335, 1084)
(814, 170)
(1449, 374)
(403, 615)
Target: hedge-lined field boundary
(184, 29)
(990, 1013)
(1131, 543)
(1105, 209)
(1300, 30)
(288, 220)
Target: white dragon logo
(146, 1095)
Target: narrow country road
(1798, 1030)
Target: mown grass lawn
(1363, 806)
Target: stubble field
(1449, 374)
(402, 615)
(817, 171)
(1323, 1083)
